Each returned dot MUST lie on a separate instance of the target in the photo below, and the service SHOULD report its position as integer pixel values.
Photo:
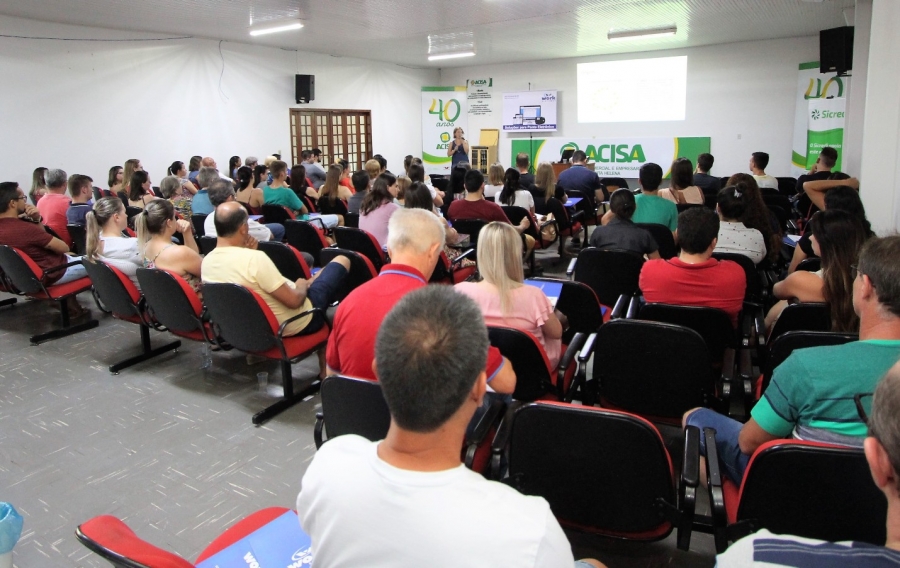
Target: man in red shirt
(19, 228)
(475, 206)
(695, 278)
(54, 205)
(415, 241)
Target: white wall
(741, 95)
(85, 106)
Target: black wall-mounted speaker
(836, 50)
(305, 88)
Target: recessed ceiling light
(451, 55)
(275, 27)
(619, 35)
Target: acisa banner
(443, 110)
(825, 128)
(615, 157)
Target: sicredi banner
(443, 110)
(811, 85)
(615, 157)
(825, 128)
(529, 111)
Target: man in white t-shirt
(407, 500)
(758, 163)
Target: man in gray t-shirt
(314, 171)
(360, 181)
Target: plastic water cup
(262, 379)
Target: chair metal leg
(289, 399)
(148, 352)
(8, 302)
(64, 331)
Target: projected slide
(529, 110)
(634, 90)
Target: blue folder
(278, 544)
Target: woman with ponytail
(105, 241)
(155, 227)
(179, 170)
(246, 194)
(734, 236)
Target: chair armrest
(476, 437)
(501, 439)
(634, 307)
(62, 267)
(567, 360)
(292, 319)
(570, 270)
(317, 431)
(587, 348)
(690, 481)
(728, 360)
(621, 307)
(577, 216)
(459, 259)
(716, 495)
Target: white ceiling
(503, 31)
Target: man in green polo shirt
(811, 393)
(651, 208)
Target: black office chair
(287, 260)
(610, 273)
(305, 236)
(78, 233)
(788, 342)
(787, 186)
(803, 316)
(361, 269)
(471, 227)
(206, 244)
(665, 241)
(198, 220)
(351, 406)
(276, 213)
(362, 242)
(535, 378)
(812, 264)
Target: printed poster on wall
(811, 85)
(443, 110)
(615, 157)
(480, 96)
(825, 128)
(529, 111)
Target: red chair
(172, 302)
(567, 226)
(807, 489)
(287, 260)
(25, 277)
(243, 319)
(115, 542)
(121, 298)
(361, 269)
(447, 272)
(8, 288)
(362, 242)
(277, 213)
(535, 378)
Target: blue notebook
(278, 544)
(573, 201)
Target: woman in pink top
(683, 190)
(378, 206)
(503, 298)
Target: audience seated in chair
(245, 193)
(580, 178)
(55, 203)
(332, 188)
(200, 203)
(502, 296)
(515, 193)
(682, 191)
(235, 261)
(415, 472)
(758, 216)
(695, 278)
(141, 190)
(710, 185)
(81, 189)
(171, 188)
(811, 394)
(155, 227)
(415, 240)
(475, 206)
(416, 173)
(882, 449)
(651, 208)
(734, 236)
(20, 228)
(278, 192)
(758, 163)
(419, 197)
(619, 232)
(222, 191)
(105, 241)
(837, 237)
(378, 206)
(360, 181)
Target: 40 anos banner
(443, 110)
(614, 157)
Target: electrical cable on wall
(222, 74)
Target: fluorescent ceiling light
(451, 55)
(619, 35)
(276, 27)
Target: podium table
(560, 168)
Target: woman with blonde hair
(503, 297)
(403, 184)
(156, 226)
(38, 184)
(105, 241)
(131, 166)
(332, 188)
(545, 184)
(495, 180)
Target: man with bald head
(233, 261)
(208, 162)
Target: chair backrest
(782, 216)
(613, 183)
(559, 212)
(786, 343)
(362, 242)
(198, 220)
(361, 269)
(241, 317)
(652, 368)
(682, 207)
(663, 237)
(516, 214)
(610, 273)
(308, 202)
(79, 237)
(275, 213)
(440, 183)
(578, 302)
(131, 213)
(354, 406)
(171, 299)
(813, 490)
(304, 236)
(601, 471)
(812, 264)
(753, 292)
(207, 244)
(787, 185)
(471, 227)
(529, 361)
(117, 292)
(805, 316)
(286, 258)
(21, 271)
(329, 207)
(713, 324)
(116, 543)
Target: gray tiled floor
(165, 446)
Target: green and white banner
(826, 128)
(811, 85)
(614, 157)
(443, 110)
